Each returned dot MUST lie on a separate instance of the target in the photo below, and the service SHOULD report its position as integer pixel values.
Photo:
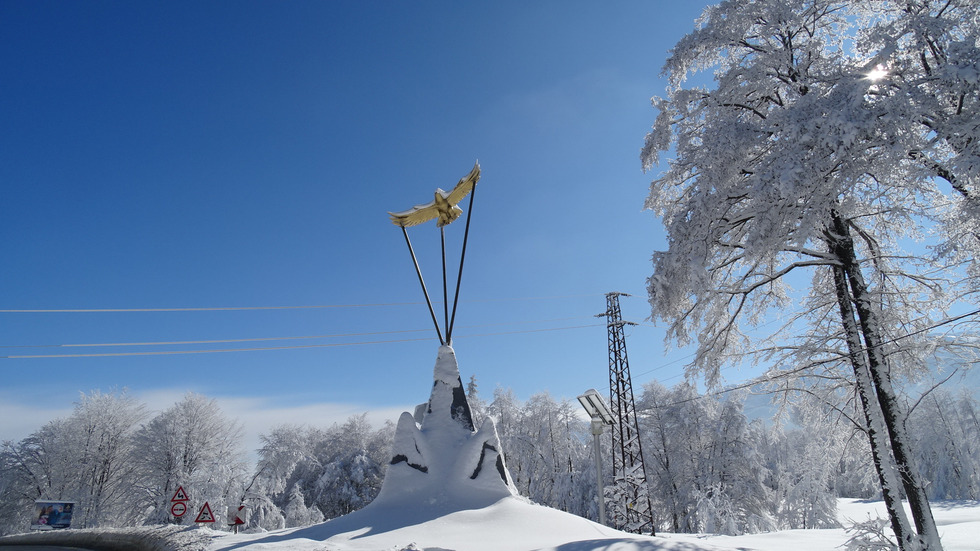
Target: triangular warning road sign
(180, 495)
(205, 514)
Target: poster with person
(52, 515)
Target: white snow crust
(511, 524)
(958, 521)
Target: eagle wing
(416, 215)
(464, 186)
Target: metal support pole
(462, 257)
(600, 491)
(445, 289)
(422, 282)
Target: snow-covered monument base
(438, 459)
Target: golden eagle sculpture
(442, 208)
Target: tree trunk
(872, 414)
(925, 524)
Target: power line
(207, 351)
(770, 377)
(534, 330)
(765, 378)
(257, 349)
(242, 308)
(261, 339)
(210, 341)
(205, 309)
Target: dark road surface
(38, 548)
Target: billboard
(52, 515)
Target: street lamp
(599, 412)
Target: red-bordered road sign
(180, 495)
(178, 509)
(205, 514)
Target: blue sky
(245, 154)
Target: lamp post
(601, 416)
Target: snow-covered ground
(508, 525)
(512, 525)
(959, 527)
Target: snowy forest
(710, 467)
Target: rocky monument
(437, 454)
(440, 457)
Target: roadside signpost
(178, 508)
(235, 518)
(178, 503)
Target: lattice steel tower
(628, 499)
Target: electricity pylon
(628, 498)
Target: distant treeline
(710, 468)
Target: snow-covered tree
(947, 433)
(478, 407)
(101, 428)
(352, 461)
(706, 461)
(548, 451)
(16, 496)
(297, 512)
(283, 450)
(82, 458)
(308, 473)
(191, 445)
(825, 435)
(44, 462)
(35, 467)
(802, 468)
(821, 146)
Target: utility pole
(601, 416)
(631, 510)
